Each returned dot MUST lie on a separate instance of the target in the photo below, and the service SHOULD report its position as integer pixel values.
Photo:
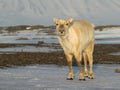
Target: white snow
(41, 12)
(31, 36)
(52, 77)
(27, 49)
(110, 36)
(115, 53)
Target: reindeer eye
(56, 24)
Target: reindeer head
(62, 26)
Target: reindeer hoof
(91, 78)
(82, 79)
(69, 78)
(86, 76)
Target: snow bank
(41, 12)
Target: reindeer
(77, 39)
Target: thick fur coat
(77, 39)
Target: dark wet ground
(101, 55)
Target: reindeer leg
(90, 59)
(85, 64)
(78, 59)
(69, 60)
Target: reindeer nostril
(61, 31)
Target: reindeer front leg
(78, 57)
(69, 60)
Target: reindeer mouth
(61, 33)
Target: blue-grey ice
(52, 77)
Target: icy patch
(52, 77)
(111, 36)
(12, 50)
(115, 53)
(30, 36)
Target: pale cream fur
(77, 39)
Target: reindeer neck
(64, 37)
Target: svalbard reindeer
(77, 39)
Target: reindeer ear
(69, 21)
(55, 20)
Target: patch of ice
(52, 77)
(31, 36)
(111, 36)
(115, 53)
(12, 50)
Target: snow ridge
(32, 12)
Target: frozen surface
(115, 53)
(110, 36)
(27, 49)
(27, 36)
(52, 77)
